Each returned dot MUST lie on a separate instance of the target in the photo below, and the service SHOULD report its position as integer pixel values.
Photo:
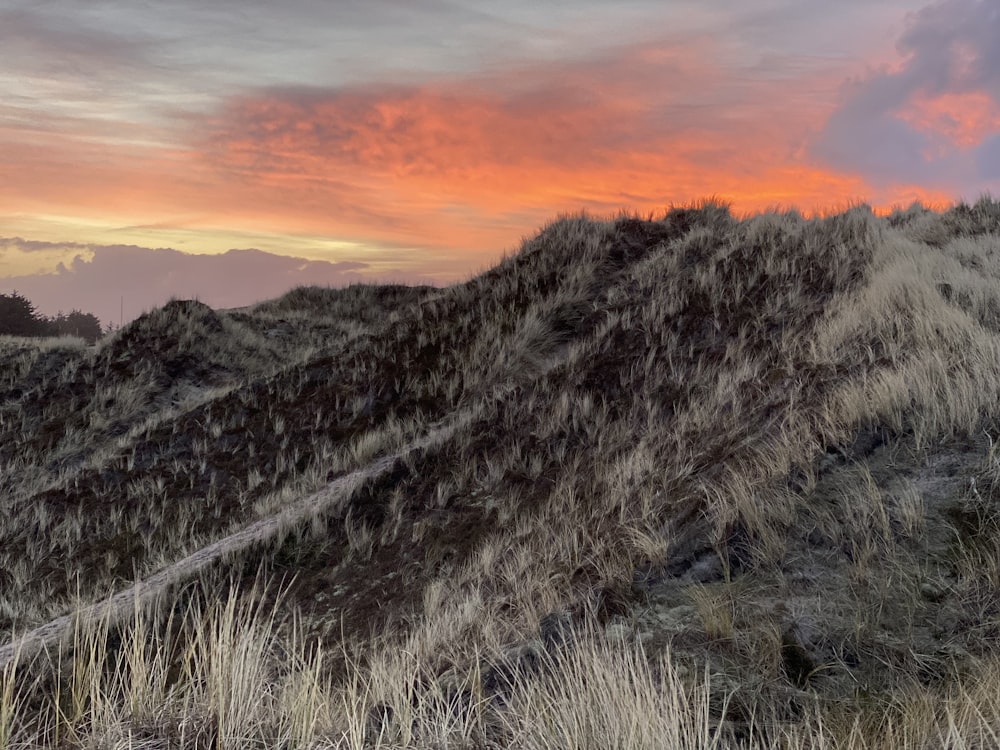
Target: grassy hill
(686, 482)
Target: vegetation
(18, 317)
(688, 482)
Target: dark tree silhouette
(18, 317)
(84, 325)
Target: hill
(685, 482)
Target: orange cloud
(470, 156)
(965, 119)
(457, 169)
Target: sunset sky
(231, 149)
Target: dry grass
(223, 676)
(753, 463)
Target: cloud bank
(102, 279)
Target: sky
(229, 150)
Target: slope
(765, 446)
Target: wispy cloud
(66, 44)
(636, 128)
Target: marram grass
(749, 464)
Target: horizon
(146, 151)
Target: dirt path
(124, 602)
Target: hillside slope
(763, 450)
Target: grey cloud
(226, 40)
(950, 47)
(67, 42)
(864, 136)
(146, 278)
(988, 159)
(954, 45)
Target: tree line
(18, 317)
